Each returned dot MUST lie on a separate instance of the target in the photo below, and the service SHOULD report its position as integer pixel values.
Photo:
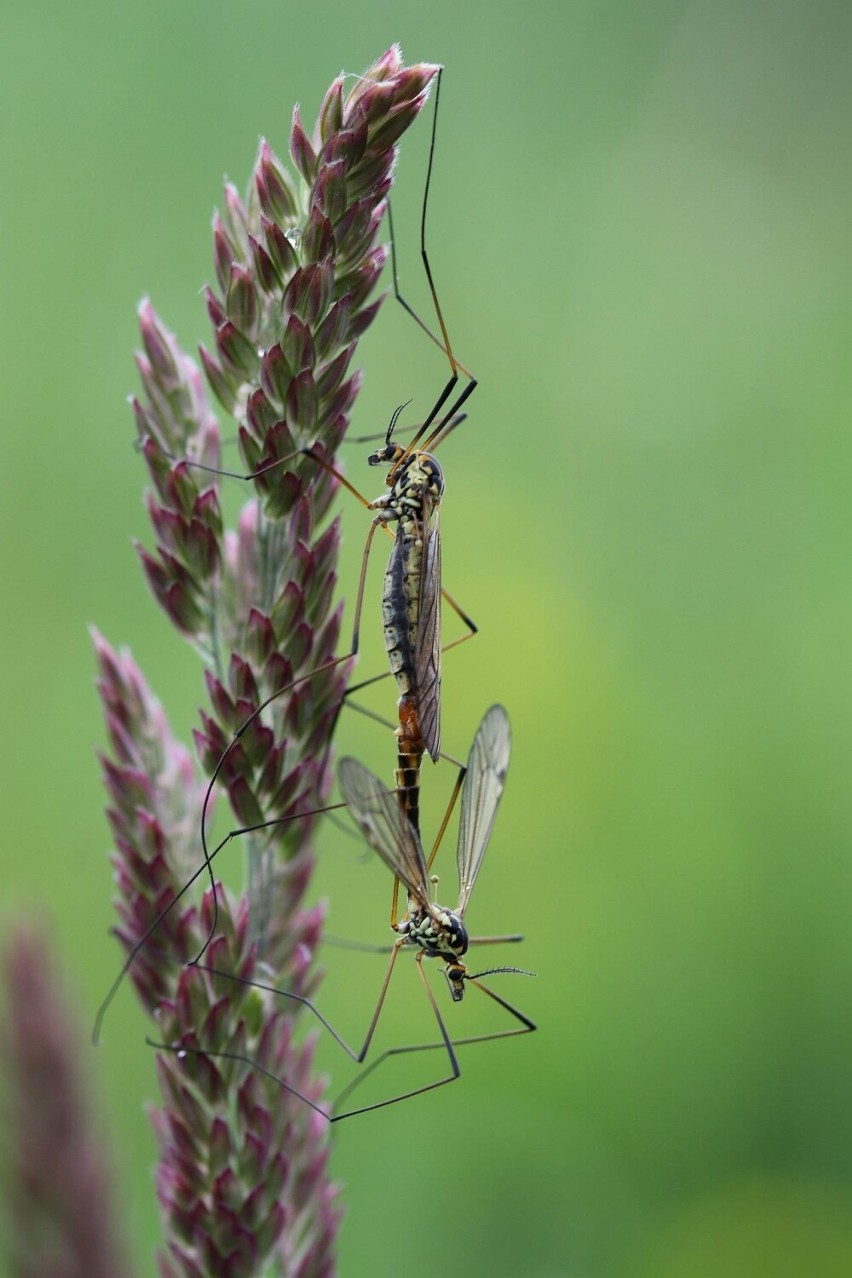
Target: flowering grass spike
(243, 1180)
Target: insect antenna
(493, 971)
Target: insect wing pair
(385, 827)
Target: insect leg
(206, 867)
(527, 1026)
(428, 1087)
(443, 343)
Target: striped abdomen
(410, 748)
(401, 606)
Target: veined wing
(427, 645)
(379, 816)
(487, 765)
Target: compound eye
(459, 934)
(456, 975)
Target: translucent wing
(380, 818)
(427, 644)
(487, 765)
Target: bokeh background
(640, 227)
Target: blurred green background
(640, 228)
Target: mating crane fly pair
(389, 819)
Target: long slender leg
(358, 1057)
(365, 1046)
(527, 1027)
(462, 773)
(445, 344)
(152, 927)
(260, 471)
(445, 424)
(428, 1087)
(406, 306)
(446, 1044)
(243, 728)
(383, 435)
(240, 732)
(187, 1050)
(358, 495)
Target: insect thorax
(439, 933)
(420, 480)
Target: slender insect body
(402, 608)
(411, 608)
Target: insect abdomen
(410, 749)
(401, 607)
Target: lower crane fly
(432, 930)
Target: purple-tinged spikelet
(58, 1204)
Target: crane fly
(430, 929)
(412, 591)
